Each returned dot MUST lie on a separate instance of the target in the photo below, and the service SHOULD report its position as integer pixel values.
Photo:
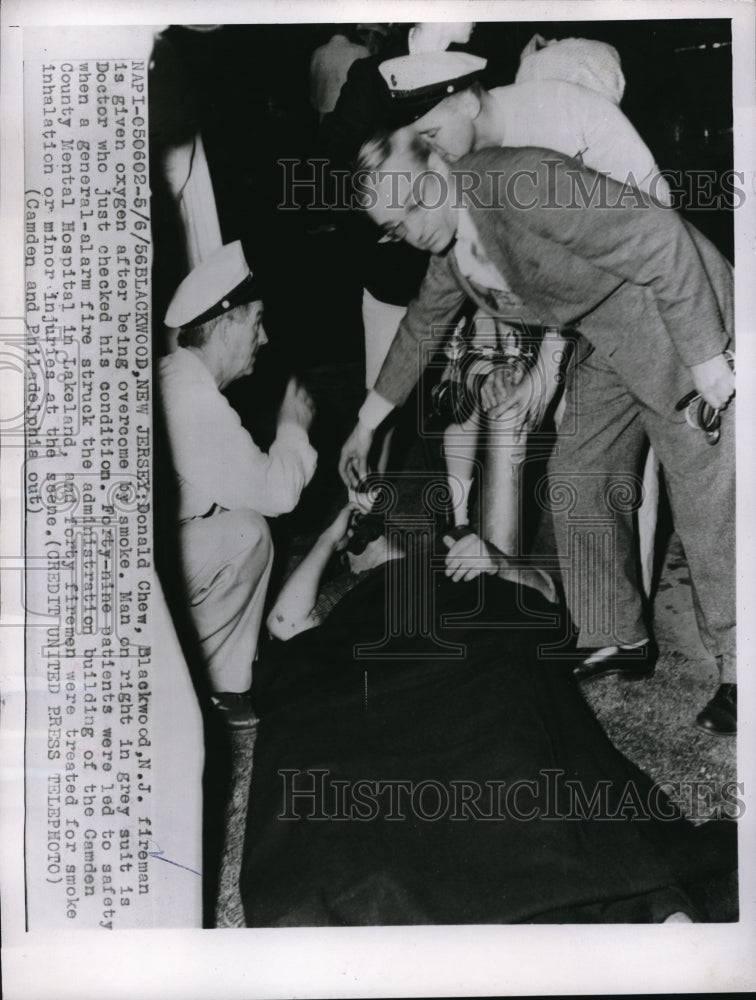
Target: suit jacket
(645, 288)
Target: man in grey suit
(652, 302)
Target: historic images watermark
(316, 794)
(314, 185)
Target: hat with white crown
(216, 286)
(418, 82)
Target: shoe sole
(714, 732)
(246, 724)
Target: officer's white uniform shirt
(578, 122)
(215, 458)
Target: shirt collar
(470, 255)
(193, 364)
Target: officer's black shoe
(630, 663)
(720, 716)
(235, 709)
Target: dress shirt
(329, 67)
(473, 261)
(580, 123)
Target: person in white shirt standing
(329, 66)
(553, 114)
(227, 486)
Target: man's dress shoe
(720, 716)
(633, 663)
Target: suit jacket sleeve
(425, 326)
(638, 242)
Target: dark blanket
(447, 789)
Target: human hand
(500, 381)
(468, 557)
(714, 380)
(297, 406)
(523, 405)
(494, 390)
(353, 460)
(336, 534)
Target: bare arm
(292, 612)
(530, 399)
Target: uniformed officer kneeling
(227, 485)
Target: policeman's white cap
(418, 82)
(220, 283)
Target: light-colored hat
(220, 283)
(418, 82)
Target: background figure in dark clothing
(391, 272)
